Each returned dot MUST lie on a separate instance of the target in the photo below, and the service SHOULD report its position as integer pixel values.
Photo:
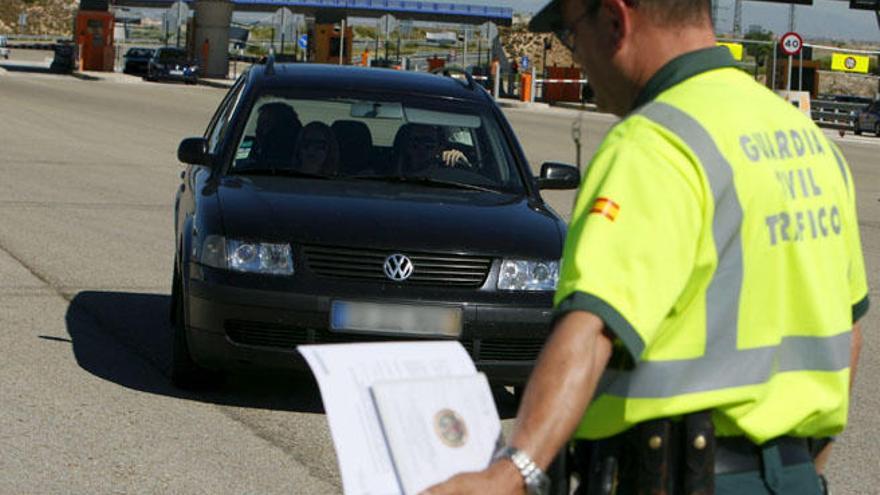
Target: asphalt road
(88, 176)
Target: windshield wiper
(287, 172)
(427, 181)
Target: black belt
(739, 454)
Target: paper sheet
(345, 373)
(438, 427)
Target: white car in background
(4, 51)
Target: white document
(438, 427)
(345, 373)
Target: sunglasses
(567, 34)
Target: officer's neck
(652, 46)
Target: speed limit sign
(791, 43)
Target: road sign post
(791, 44)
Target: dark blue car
(171, 64)
(137, 59)
(333, 204)
(868, 119)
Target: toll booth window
(349, 138)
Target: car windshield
(139, 52)
(166, 55)
(406, 142)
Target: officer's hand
(454, 158)
(501, 478)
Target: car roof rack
(449, 71)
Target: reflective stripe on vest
(722, 365)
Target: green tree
(761, 52)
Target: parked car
(867, 119)
(328, 204)
(64, 59)
(4, 48)
(137, 59)
(171, 64)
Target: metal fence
(834, 114)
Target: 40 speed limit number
(791, 43)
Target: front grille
(430, 269)
(289, 336)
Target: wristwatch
(537, 482)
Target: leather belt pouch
(739, 454)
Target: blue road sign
(524, 63)
(303, 41)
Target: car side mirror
(193, 151)
(559, 176)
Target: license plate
(176, 72)
(395, 319)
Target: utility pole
(715, 15)
(464, 51)
(179, 5)
(791, 18)
(737, 17)
(282, 30)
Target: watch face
(450, 428)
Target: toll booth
(324, 41)
(562, 84)
(94, 39)
(804, 74)
(436, 63)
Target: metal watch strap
(536, 481)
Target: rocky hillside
(519, 42)
(43, 16)
(839, 83)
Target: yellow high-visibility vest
(715, 233)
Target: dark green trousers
(773, 479)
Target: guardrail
(48, 45)
(834, 114)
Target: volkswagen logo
(398, 267)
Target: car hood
(385, 215)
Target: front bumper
(234, 326)
(185, 75)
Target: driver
(420, 150)
(278, 127)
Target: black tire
(185, 373)
(856, 129)
(877, 129)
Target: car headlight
(528, 275)
(246, 256)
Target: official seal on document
(450, 427)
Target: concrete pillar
(212, 19)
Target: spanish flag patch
(605, 207)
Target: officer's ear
(615, 20)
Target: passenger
(317, 151)
(278, 127)
(420, 150)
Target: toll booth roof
(403, 9)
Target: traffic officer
(712, 277)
